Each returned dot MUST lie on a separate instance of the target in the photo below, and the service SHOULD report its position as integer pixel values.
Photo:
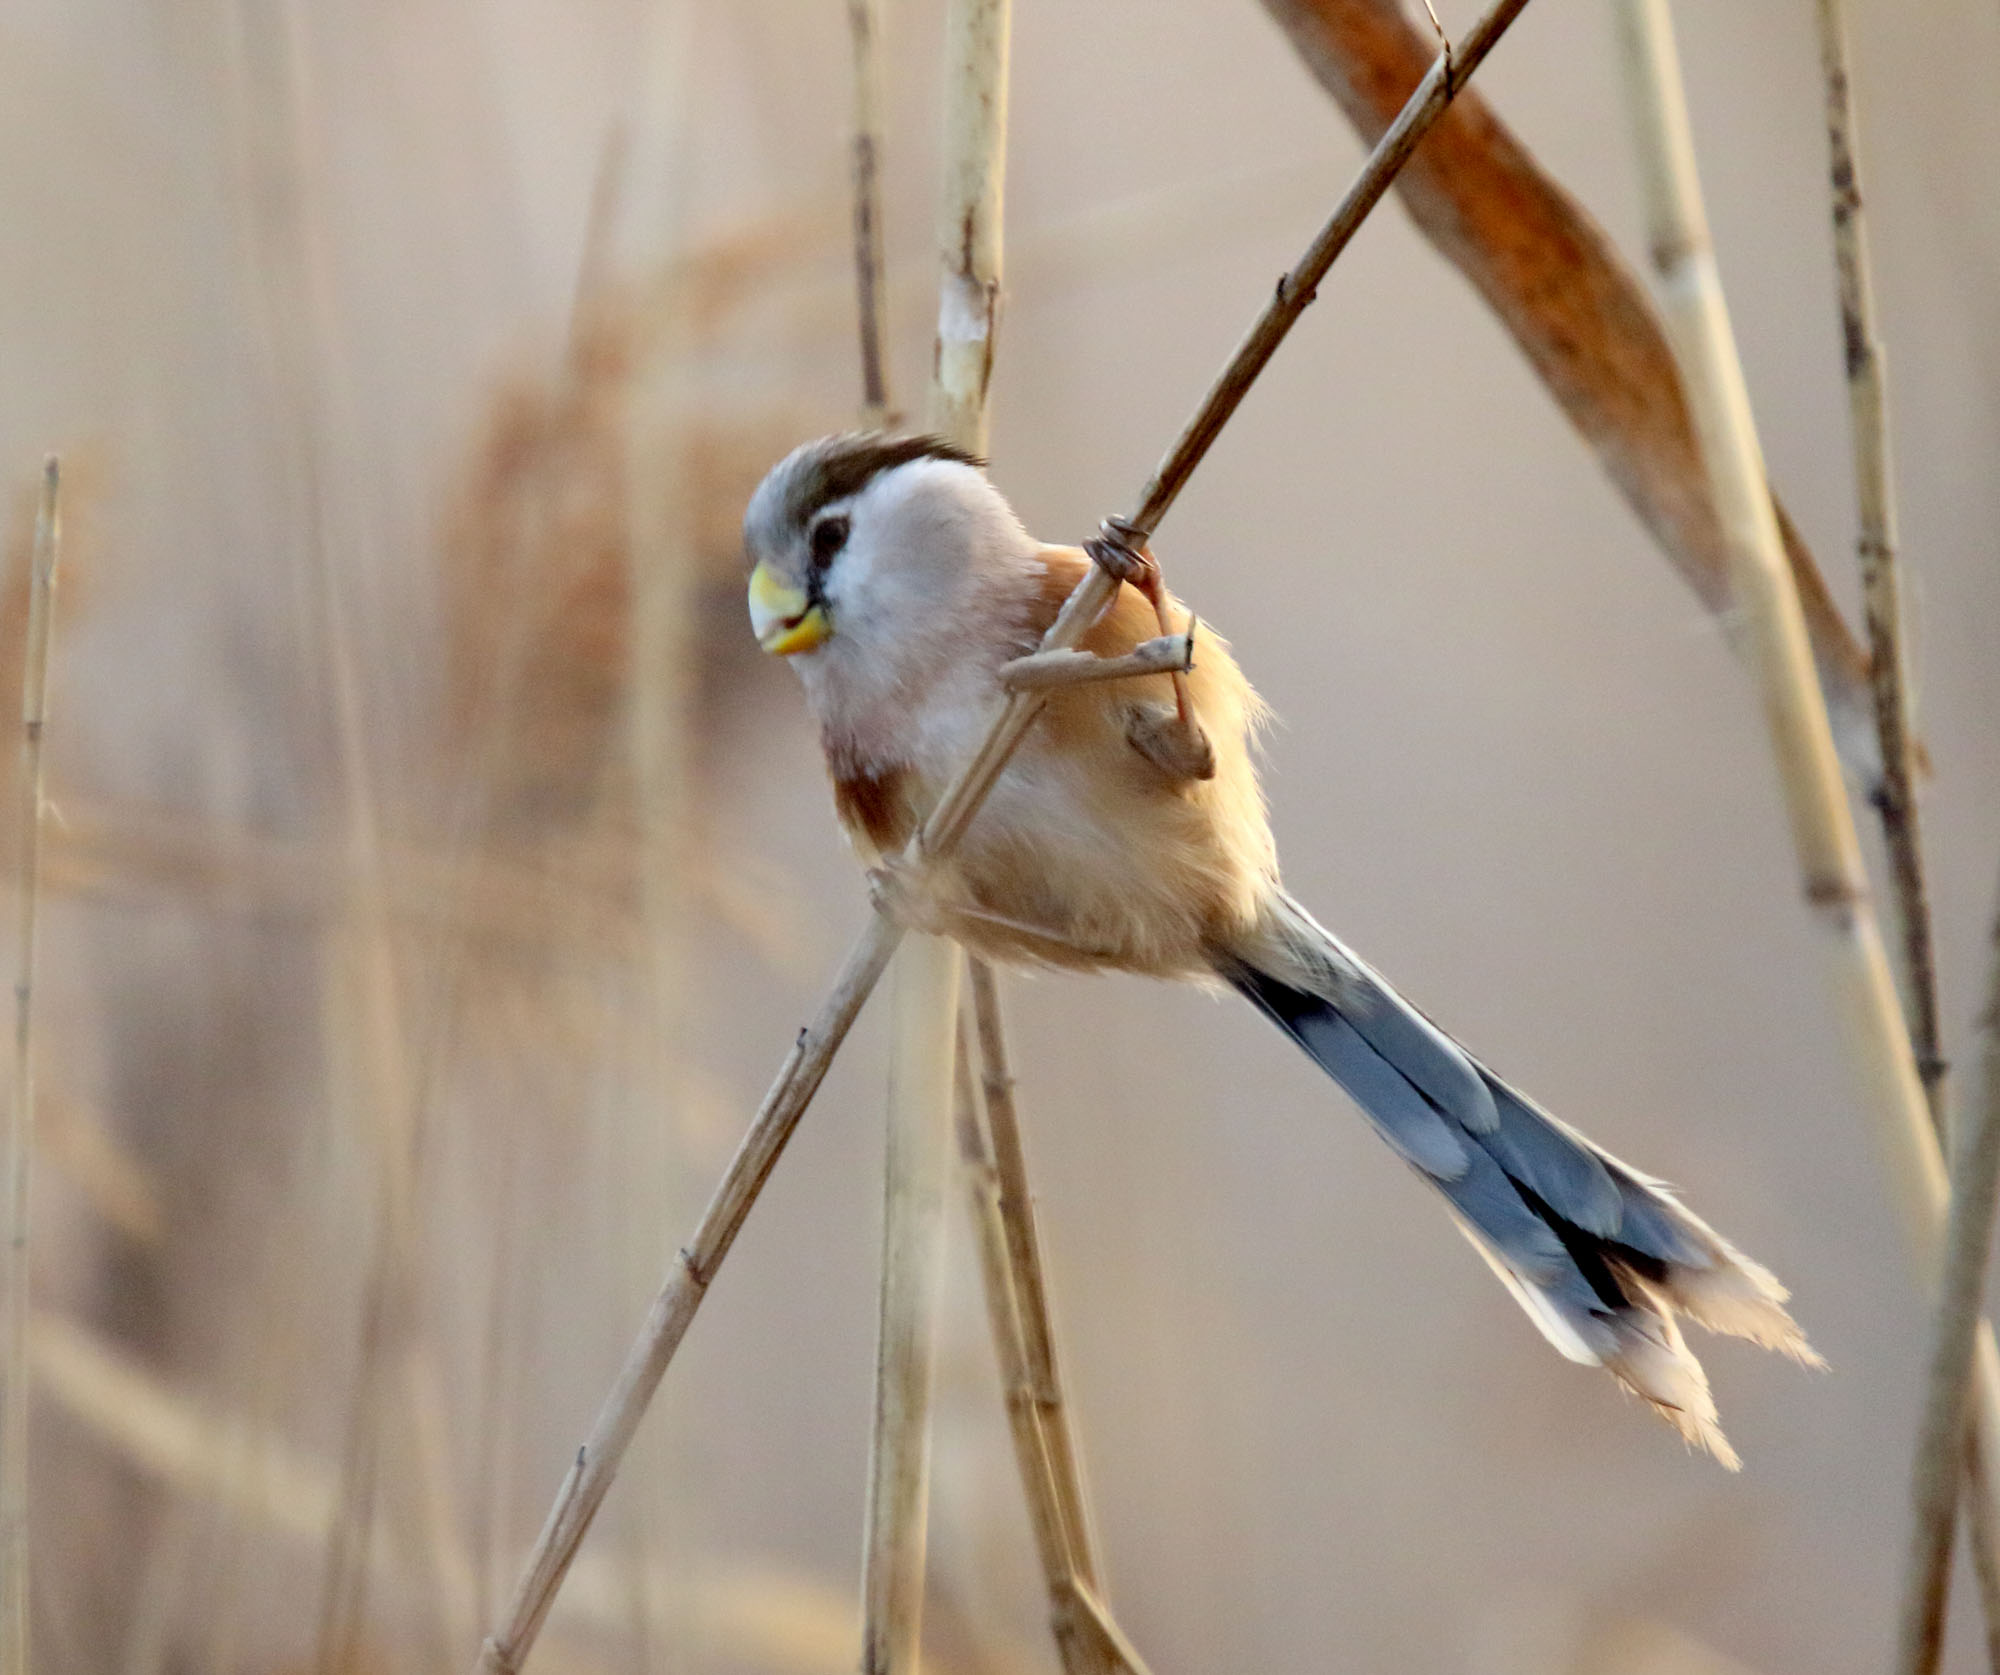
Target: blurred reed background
(436, 872)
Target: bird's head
(867, 549)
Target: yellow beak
(783, 618)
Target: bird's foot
(1175, 744)
(1119, 550)
(906, 893)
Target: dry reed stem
(926, 984)
(1087, 1639)
(1026, 1272)
(589, 1478)
(871, 291)
(970, 207)
(1896, 804)
(20, 1133)
(1576, 310)
(1895, 796)
(982, 1182)
(1297, 289)
(1975, 1196)
(929, 969)
(1823, 834)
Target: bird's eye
(829, 535)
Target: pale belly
(1069, 865)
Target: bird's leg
(902, 890)
(1176, 745)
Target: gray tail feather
(1602, 1257)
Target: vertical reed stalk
(982, 1180)
(1895, 793)
(20, 1140)
(1975, 1195)
(1881, 589)
(928, 969)
(926, 980)
(1025, 1270)
(1023, 1336)
(969, 216)
(1772, 627)
(871, 296)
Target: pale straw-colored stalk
(969, 216)
(1773, 633)
(1975, 1194)
(926, 984)
(20, 1132)
(591, 1474)
(929, 969)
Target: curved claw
(1173, 743)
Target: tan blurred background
(412, 962)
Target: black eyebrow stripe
(850, 463)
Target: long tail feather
(1601, 1257)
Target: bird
(1129, 832)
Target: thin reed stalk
(982, 1182)
(1894, 795)
(1975, 1196)
(590, 1476)
(871, 289)
(1823, 833)
(1087, 1640)
(20, 1134)
(1025, 1272)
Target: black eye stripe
(829, 535)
